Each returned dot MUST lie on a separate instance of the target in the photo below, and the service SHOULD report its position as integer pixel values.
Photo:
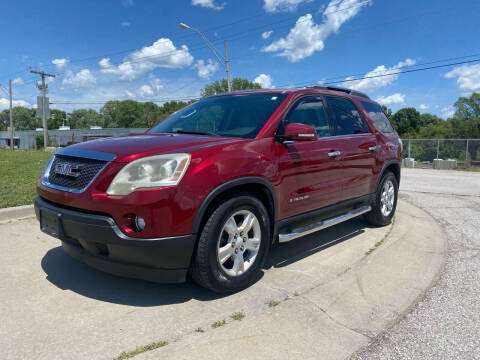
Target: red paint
(301, 170)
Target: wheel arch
(394, 167)
(258, 186)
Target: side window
(378, 116)
(310, 111)
(348, 120)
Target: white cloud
(81, 79)
(5, 103)
(162, 53)
(396, 98)
(267, 34)
(423, 107)
(145, 90)
(264, 80)
(447, 112)
(468, 78)
(281, 5)
(18, 81)
(208, 4)
(376, 78)
(307, 37)
(124, 24)
(205, 70)
(60, 63)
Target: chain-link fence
(462, 152)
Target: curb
(17, 212)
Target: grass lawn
(19, 172)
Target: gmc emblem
(67, 169)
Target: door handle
(372, 148)
(334, 153)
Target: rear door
(309, 177)
(357, 145)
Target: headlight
(151, 171)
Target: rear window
(378, 117)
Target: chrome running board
(319, 225)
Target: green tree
(467, 121)
(407, 121)
(57, 118)
(84, 118)
(24, 118)
(219, 87)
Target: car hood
(128, 148)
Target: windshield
(234, 115)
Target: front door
(309, 173)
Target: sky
(135, 49)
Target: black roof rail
(339, 88)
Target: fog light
(139, 223)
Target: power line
(326, 83)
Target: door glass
(347, 118)
(378, 116)
(310, 111)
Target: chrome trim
(316, 226)
(87, 154)
(372, 148)
(96, 155)
(334, 153)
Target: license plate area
(50, 222)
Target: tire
(383, 208)
(216, 264)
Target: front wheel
(233, 245)
(385, 203)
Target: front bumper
(97, 241)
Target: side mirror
(299, 132)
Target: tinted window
(378, 116)
(233, 115)
(347, 118)
(311, 111)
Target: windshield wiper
(195, 132)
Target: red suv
(208, 190)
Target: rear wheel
(233, 245)
(385, 203)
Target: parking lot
(324, 296)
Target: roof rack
(339, 88)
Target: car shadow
(67, 273)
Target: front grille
(88, 169)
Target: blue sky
(121, 49)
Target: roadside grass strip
(140, 350)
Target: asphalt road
(446, 323)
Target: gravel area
(446, 323)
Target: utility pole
(43, 88)
(11, 113)
(227, 67)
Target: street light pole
(223, 60)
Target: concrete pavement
(333, 298)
